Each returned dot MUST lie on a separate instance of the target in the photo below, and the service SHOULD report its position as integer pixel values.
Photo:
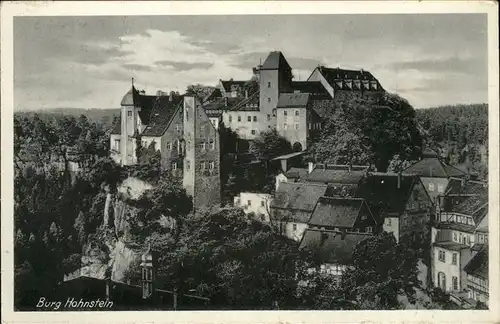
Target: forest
(56, 215)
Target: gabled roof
(336, 212)
(382, 193)
(478, 265)
(293, 100)
(434, 168)
(296, 195)
(456, 226)
(338, 174)
(275, 61)
(332, 247)
(161, 115)
(315, 88)
(475, 206)
(343, 79)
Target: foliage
(374, 281)
(368, 130)
(269, 145)
(199, 91)
(397, 164)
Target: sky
(88, 62)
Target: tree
(270, 144)
(397, 165)
(374, 280)
(368, 130)
(199, 91)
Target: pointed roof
(275, 61)
(128, 98)
(434, 168)
(336, 212)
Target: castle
(184, 129)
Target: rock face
(110, 251)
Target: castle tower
(148, 275)
(129, 124)
(201, 173)
(275, 77)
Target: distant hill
(94, 114)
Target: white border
(113, 8)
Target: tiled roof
(382, 194)
(342, 79)
(288, 156)
(300, 196)
(482, 226)
(246, 104)
(332, 247)
(338, 174)
(215, 107)
(293, 100)
(475, 206)
(274, 61)
(216, 93)
(313, 87)
(478, 265)
(433, 167)
(296, 173)
(323, 107)
(478, 247)
(162, 113)
(336, 212)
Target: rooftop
(433, 168)
(299, 196)
(293, 100)
(343, 79)
(478, 265)
(275, 61)
(332, 247)
(336, 212)
(339, 174)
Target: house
(343, 215)
(400, 202)
(333, 249)
(296, 121)
(292, 175)
(477, 276)
(256, 203)
(434, 174)
(201, 172)
(458, 233)
(335, 175)
(293, 205)
(337, 81)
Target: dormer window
(129, 113)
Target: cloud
(137, 67)
(184, 65)
(453, 64)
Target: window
(310, 126)
(230, 118)
(440, 188)
(249, 118)
(212, 144)
(169, 145)
(363, 217)
(454, 281)
(129, 113)
(262, 204)
(249, 203)
(178, 128)
(188, 164)
(153, 146)
(297, 112)
(285, 126)
(174, 166)
(239, 118)
(203, 146)
(117, 145)
(294, 227)
(442, 256)
(268, 99)
(211, 165)
(389, 221)
(480, 238)
(296, 126)
(455, 237)
(253, 132)
(285, 113)
(268, 117)
(454, 258)
(369, 229)
(254, 118)
(274, 112)
(431, 187)
(188, 146)
(269, 84)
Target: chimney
(310, 167)
(399, 180)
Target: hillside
(94, 114)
